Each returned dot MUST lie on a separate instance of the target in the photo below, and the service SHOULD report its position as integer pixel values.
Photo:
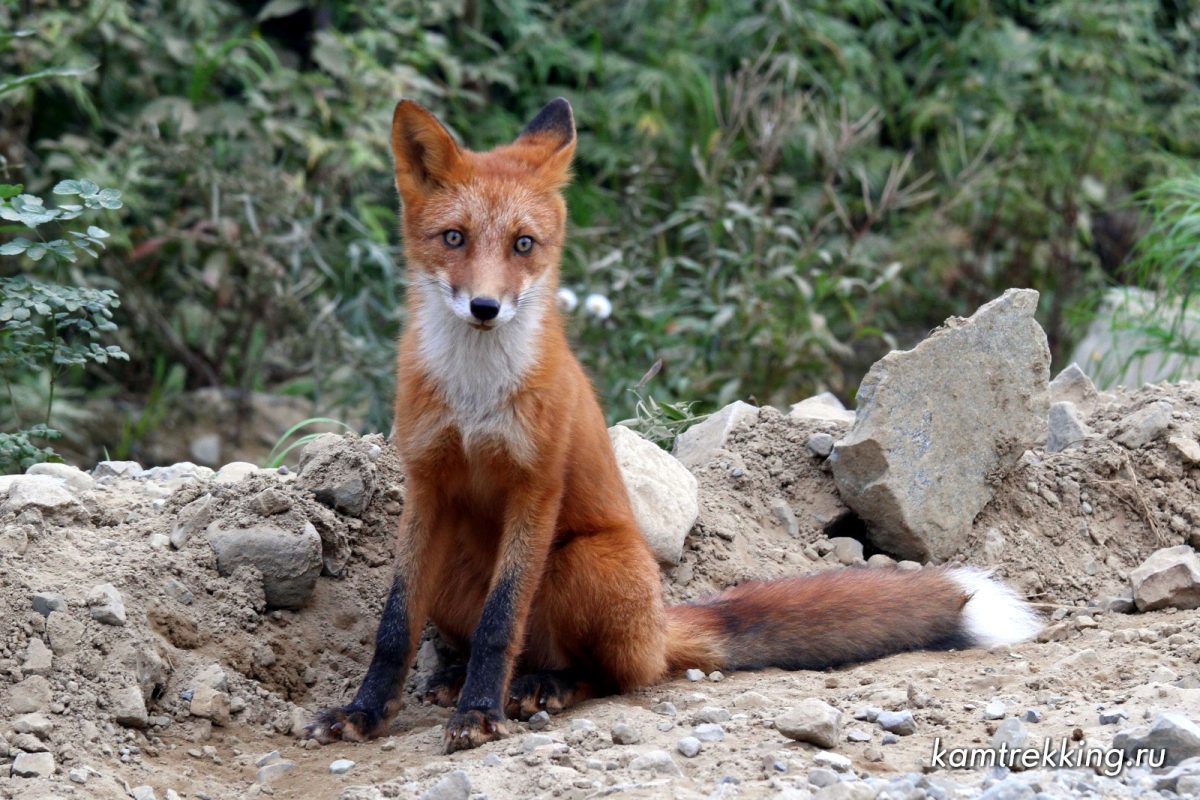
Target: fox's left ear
(551, 135)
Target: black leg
(548, 690)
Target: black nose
(484, 308)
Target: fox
(517, 538)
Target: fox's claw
(347, 724)
(468, 729)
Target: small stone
(658, 761)
(716, 676)
(663, 493)
(210, 703)
(128, 707)
(709, 732)
(820, 445)
(78, 775)
(31, 694)
(159, 541)
(1144, 425)
(1073, 385)
(665, 708)
(1113, 716)
(822, 777)
(106, 604)
(192, 519)
(857, 735)
(289, 562)
(868, 713)
(699, 444)
(143, 793)
(1032, 715)
(846, 550)
(116, 469)
(274, 771)
(73, 477)
(580, 724)
(881, 561)
(33, 765)
(995, 710)
(688, 746)
(834, 761)
(341, 766)
(63, 632)
(813, 721)
(269, 502)
(1010, 733)
(695, 675)
(889, 738)
(782, 511)
(234, 472)
(539, 721)
(1186, 448)
(711, 714)
(178, 592)
(1172, 732)
(1067, 428)
(46, 602)
(533, 741)
(623, 733)
(750, 700)
(266, 758)
(900, 723)
(38, 658)
(37, 724)
(825, 407)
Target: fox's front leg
(378, 698)
(498, 637)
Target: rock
(1113, 716)
(45, 602)
(698, 445)
(782, 511)
(1010, 733)
(845, 790)
(821, 777)
(1171, 732)
(206, 448)
(78, 775)
(539, 721)
(63, 632)
(1144, 425)
(116, 469)
(177, 472)
(341, 477)
(658, 761)
(535, 740)
(214, 677)
(454, 786)
(341, 766)
(73, 477)
(694, 675)
(1032, 715)
(824, 406)
(1072, 385)
(289, 562)
(192, 518)
(210, 703)
(128, 707)
(1186, 448)
(274, 771)
(174, 589)
(813, 721)
(38, 658)
(37, 724)
(900, 723)
(995, 710)
(712, 714)
(269, 502)
(33, 765)
(709, 732)
(846, 550)
(623, 733)
(919, 465)
(664, 494)
(688, 746)
(834, 761)
(143, 793)
(881, 561)
(857, 735)
(48, 495)
(106, 605)
(1067, 428)
(31, 694)
(820, 444)
(1168, 578)
(234, 472)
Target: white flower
(568, 301)
(598, 306)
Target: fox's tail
(846, 616)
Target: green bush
(770, 194)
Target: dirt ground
(1065, 528)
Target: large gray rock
(664, 494)
(289, 562)
(813, 721)
(699, 444)
(935, 424)
(1174, 733)
(1169, 577)
(33, 765)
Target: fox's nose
(484, 308)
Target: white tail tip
(995, 614)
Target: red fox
(517, 537)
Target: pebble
(274, 771)
(658, 761)
(716, 676)
(1032, 715)
(106, 605)
(995, 710)
(868, 713)
(695, 675)
(33, 765)
(709, 732)
(847, 551)
(624, 733)
(688, 746)
(31, 694)
(143, 793)
(341, 766)
(834, 761)
(813, 721)
(46, 602)
(116, 469)
(667, 709)
(234, 472)
(533, 741)
(38, 658)
(539, 721)
(821, 777)
(454, 786)
(900, 723)
(820, 445)
(889, 738)
(581, 724)
(712, 714)
(73, 477)
(78, 775)
(1113, 716)
(857, 735)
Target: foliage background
(771, 193)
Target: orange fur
(517, 535)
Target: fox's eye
(453, 238)
(523, 245)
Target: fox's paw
(445, 685)
(539, 691)
(347, 724)
(468, 729)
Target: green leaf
(15, 247)
(98, 233)
(8, 190)
(11, 84)
(67, 187)
(280, 8)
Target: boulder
(1067, 428)
(1171, 732)
(210, 703)
(289, 562)
(813, 721)
(699, 444)
(1168, 578)
(664, 494)
(937, 423)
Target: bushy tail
(845, 616)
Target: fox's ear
(426, 154)
(551, 136)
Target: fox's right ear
(426, 154)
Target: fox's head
(483, 232)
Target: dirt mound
(193, 681)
